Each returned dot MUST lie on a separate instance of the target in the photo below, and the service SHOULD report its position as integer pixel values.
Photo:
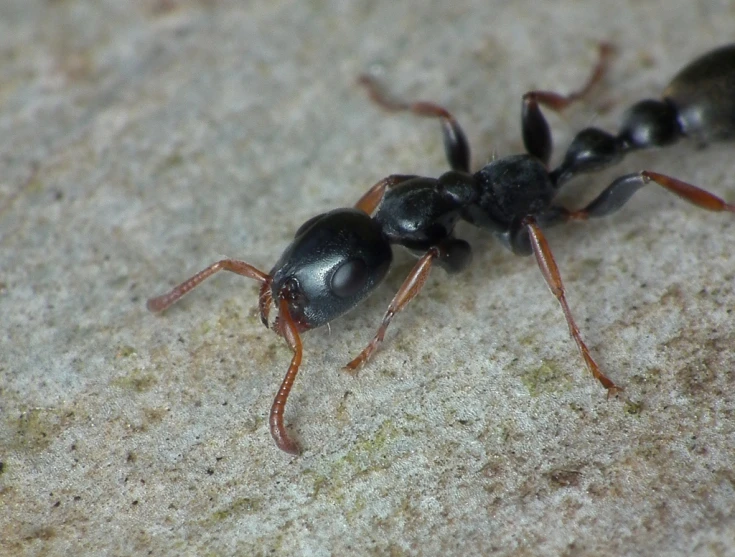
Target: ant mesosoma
(337, 258)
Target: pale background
(141, 141)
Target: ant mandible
(337, 258)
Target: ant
(339, 257)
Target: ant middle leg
(551, 274)
(456, 146)
(536, 132)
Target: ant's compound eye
(349, 278)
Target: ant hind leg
(536, 132)
(619, 192)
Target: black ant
(337, 258)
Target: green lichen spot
(528, 340)
(137, 381)
(125, 352)
(633, 408)
(591, 263)
(35, 428)
(319, 483)
(173, 159)
(155, 415)
(238, 507)
(204, 329)
(367, 454)
(547, 378)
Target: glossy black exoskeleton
(337, 258)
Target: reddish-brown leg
(288, 330)
(407, 292)
(420, 108)
(692, 194)
(455, 142)
(160, 303)
(534, 127)
(556, 101)
(372, 198)
(550, 271)
(623, 188)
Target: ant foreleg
(452, 254)
(456, 146)
(407, 292)
(536, 132)
(550, 271)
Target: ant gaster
(337, 258)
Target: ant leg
(558, 102)
(689, 192)
(452, 254)
(289, 331)
(550, 271)
(160, 303)
(622, 189)
(407, 292)
(456, 146)
(372, 198)
(535, 128)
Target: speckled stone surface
(141, 141)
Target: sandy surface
(141, 141)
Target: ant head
(334, 262)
